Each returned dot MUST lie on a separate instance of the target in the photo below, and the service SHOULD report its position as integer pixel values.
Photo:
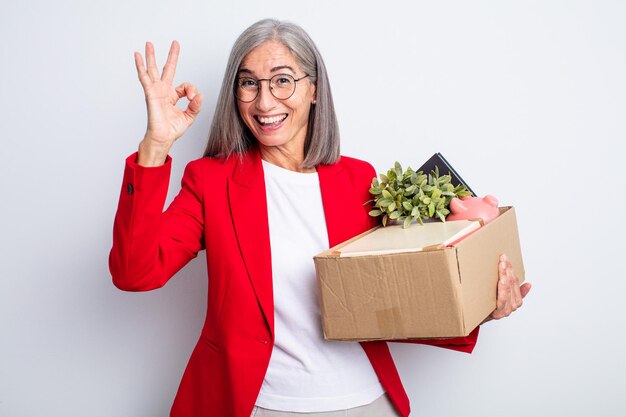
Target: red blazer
(222, 208)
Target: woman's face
(275, 122)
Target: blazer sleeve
(149, 245)
(462, 344)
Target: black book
(444, 169)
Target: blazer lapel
(343, 200)
(248, 207)
(334, 197)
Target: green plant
(407, 196)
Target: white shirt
(306, 373)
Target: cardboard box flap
(478, 256)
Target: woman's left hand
(510, 293)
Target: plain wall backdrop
(527, 99)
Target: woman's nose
(265, 99)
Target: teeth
(273, 119)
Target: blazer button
(130, 189)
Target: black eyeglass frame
(269, 80)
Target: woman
(269, 194)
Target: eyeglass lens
(282, 86)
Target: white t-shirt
(306, 373)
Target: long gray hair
(229, 134)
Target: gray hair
(229, 134)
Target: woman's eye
(283, 81)
(248, 83)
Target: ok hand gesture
(166, 122)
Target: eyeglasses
(282, 86)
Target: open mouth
(270, 121)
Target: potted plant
(403, 197)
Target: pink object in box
(485, 208)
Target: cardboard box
(444, 292)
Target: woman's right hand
(166, 122)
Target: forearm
(152, 153)
(136, 228)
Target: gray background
(527, 100)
